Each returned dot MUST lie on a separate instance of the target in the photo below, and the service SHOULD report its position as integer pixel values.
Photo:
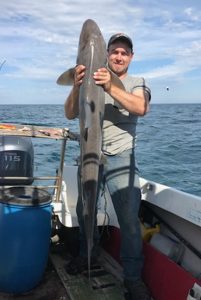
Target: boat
(170, 225)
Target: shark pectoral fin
(116, 81)
(66, 78)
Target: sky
(39, 41)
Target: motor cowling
(16, 160)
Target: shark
(92, 53)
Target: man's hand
(79, 74)
(103, 77)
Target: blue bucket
(25, 230)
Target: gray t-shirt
(119, 126)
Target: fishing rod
(2, 64)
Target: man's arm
(71, 106)
(136, 103)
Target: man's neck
(122, 76)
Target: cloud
(39, 39)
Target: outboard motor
(16, 160)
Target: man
(122, 108)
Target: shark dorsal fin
(115, 79)
(66, 78)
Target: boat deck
(102, 284)
(58, 285)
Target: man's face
(119, 58)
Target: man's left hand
(103, 77)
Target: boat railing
(35, 131)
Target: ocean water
(168, 147)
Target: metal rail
(62, 134)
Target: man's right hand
(79, 74)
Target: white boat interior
(179, 210)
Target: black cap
(120, 36)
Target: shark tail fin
(89, 246)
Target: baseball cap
(120, 36)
